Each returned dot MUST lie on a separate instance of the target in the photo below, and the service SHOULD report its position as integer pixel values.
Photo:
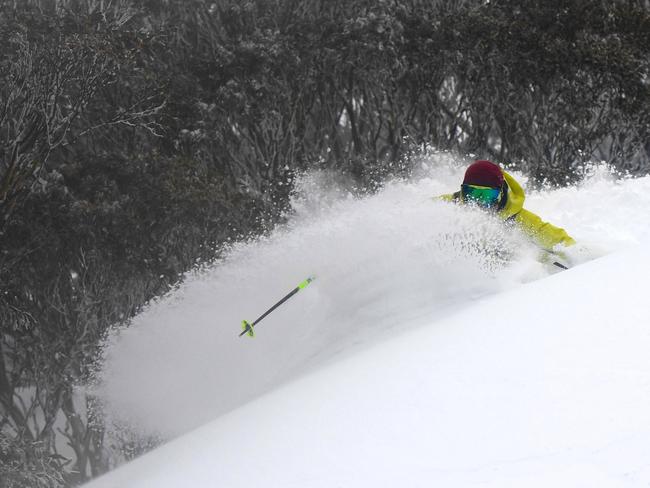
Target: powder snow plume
(399, 256)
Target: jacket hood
(516, 197)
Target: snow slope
(415, 357)
(384, 263)
(545, 384)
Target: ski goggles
(485, 196)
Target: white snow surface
(414, 359)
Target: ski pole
(248, 327)
(554, 255)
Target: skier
(487, 186)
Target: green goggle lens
(484, 196)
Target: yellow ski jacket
(542, 233)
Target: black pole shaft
(289, 295)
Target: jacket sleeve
(543, 233)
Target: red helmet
(483, 173)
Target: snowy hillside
(415, 358)
(544, 385)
